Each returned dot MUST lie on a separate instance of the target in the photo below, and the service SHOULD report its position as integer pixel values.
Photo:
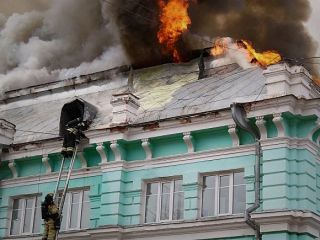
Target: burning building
(166, 156)
(221, 146)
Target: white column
(13, 167)
(278, 121)
(187, 138)
(45, 161)
(260, 122)
(115, 149)
(102, 153)
(147, 148)
(83, 160)
(234, 136)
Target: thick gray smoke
(269, 25)
(71, 38)
(76, 37)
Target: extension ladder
(65, 189)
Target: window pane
(65, 216)
(166, 187)
(178, 185)
(239, 199)
(165, 203)
(152, 188)
(28, 215)
(224, 200)
(16, 217)
(151, 208)
(85, 215)
(75, 208)
(224, 181)
(208, 202)
(209, 181)
(238, 178)
(178, 206)
(37, 219)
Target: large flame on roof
(175, 21)
(264, 59)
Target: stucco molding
(260, 122)
(46, 163)
(232, 130)
(223, 227)
(13, 168)
(116, 150)
(83, 160)
(278, 121)
(147, 148)
(187, 138)
(100, 149)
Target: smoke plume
(76, 37)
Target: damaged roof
(165, 91)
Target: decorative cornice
(234, 136)
(278, 121)
(187, 138)
(316, 128)
(100, 149)
(45, 161)
(260, 122)
(116, 151)
(147, 148)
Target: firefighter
(50, 214)
(72, 137)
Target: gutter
(239, 116)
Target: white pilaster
(278, 121)
(147, 148)
(260, 122)
(234, 136)
(45, 161)
(102, 153)
(115, 149)
(187, 138)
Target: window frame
(160, 182)
(36, 197)
(217, 193)
(69, 209)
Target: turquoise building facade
(179, 168)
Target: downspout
(239, 116)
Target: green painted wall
(92, 156)
(271, 127)
(30, 166)
(168, 146)
(5, 172)
(211, 139)
(298, 126)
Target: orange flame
(264, 59)
(174, 20)
(219, 48)
(316, 80)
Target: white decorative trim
(187, 138)
(116, 151)
(83, 160)
(147, 148)
(316, 128)
(234, 136)
(13, 167)
(219, 227)
(260, 122)
(100, 149)
(278, 121)
(45, 161)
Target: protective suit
(50, 214)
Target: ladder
(65, 189)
